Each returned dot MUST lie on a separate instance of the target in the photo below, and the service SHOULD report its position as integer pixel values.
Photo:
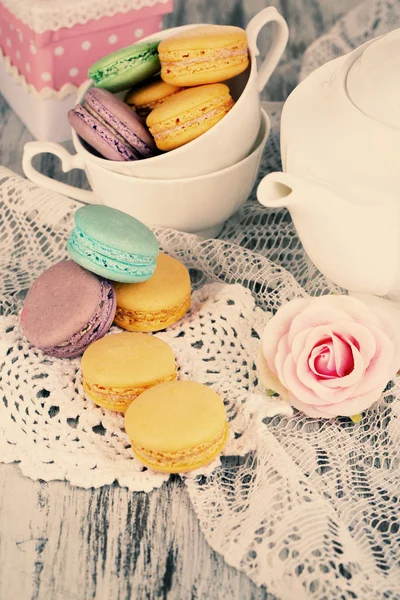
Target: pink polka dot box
(48, 45)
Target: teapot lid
(373, 82)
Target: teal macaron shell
(126, 67)
(112, 244)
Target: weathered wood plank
(63, 543)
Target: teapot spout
(281, 190)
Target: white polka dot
(74, 72)
(18, 55)
(86, 45)
(28, 67)
(139, 33)
(160, 25)
(8, 42)
(45, 76)
(11, 27)
(113, 39)
(1, 31)
(33, 48)
(59, 51)
(20, 36)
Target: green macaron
(126, 67)
(112, 244)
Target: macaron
(66, 309)
(203, 54)
(108, 125)
(112, 244)
(126, 67)
(185, 116)
(156, 303)
(120, 366)
(177, 427)
(144, 98)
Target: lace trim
(45, 93)
(51, 16)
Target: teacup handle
(278, 44)
(68, 162)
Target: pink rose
(330, 355)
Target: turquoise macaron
(126, 67)
(112, 244)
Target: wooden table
(62, 542)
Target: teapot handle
(278, 44)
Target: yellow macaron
(203, 54)
(156, 303)
(120, 366)
(144, 98)
(177, 427)
(185, 116)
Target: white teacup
(198, 205)
(230, 140)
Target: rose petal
(296, 387)
(331, 359)
(282, 352)
(322, 361)
(313, 317)
(354, 308)
(278, 326)
(267, 378)
(309, 409)
(354, 405)
(331, 390)
(380, 369)
(388, 314)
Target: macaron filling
(205, 56)
(184, 458)
(165, 128)
(121, 66)
(117, 261)
(124, 316)
(96, 327)
(119, 396)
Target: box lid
(52, 15)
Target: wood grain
(63, 543)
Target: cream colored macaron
(120, 366)
(156, 303)
(177, 427)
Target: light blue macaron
(112, 244)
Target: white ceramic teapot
(340, 147)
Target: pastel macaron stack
(177, 426)
(156, 75)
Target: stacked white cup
(194, 188)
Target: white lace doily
(45, 15)
(55, 432)
(312, 511)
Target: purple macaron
(66, 309)
(111, 127)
